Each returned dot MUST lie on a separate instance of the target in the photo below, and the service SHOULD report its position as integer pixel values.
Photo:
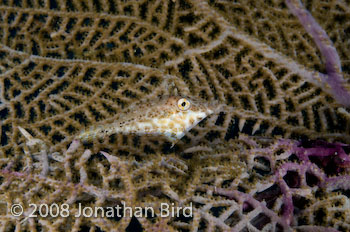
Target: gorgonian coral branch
(334, 78)
(315, 229)
(310, 168)
(247, 200)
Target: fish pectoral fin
(173, 142)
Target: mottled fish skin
(170, 116)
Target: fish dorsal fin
(173, 91)
(170, 87)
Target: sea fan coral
(246, 184)
(275, 157)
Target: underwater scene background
(274, 156)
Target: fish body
(170, 116)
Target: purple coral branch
(331, 155)
(288, 209)
(337, 182)
(287, 191)
(334, 78)
(326, 152)
(330, 151)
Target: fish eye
(183, 104)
